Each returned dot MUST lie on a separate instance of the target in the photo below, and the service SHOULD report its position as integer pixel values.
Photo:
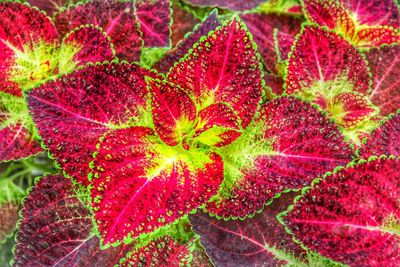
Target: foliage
(199, 133)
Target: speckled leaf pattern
(55, 229)
(384, 140)
(384, 64)
(287, 147)
(20, 26)
(16, 142)
(154, 17)
(323, 68)
(51, 6)
(161, 252)
(93, 43)
(364, 23)
(223, 68)
(183, 23)
(235, 5)
(173, 111)
(173, 56)
(258, 241)
(352, 216)
(73, 112)
(262, 27)
(141, 184)
(116, 18)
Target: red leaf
(235, 5)
(114, 17)
(161, 252)
(223, 68)
(263, 26)
(53, 6)
(173, 56)
(384, 140)
(350, 109)
(364, 23)
(154, 17)
(384, 64)
(257, 241)
(141, 184)
(349, 216)
(55, 229)
(321, 56)
(173, 111)
(73, 112)
(377, 36)
(95, 46)
(287, 147)
(183, 22)
(20, 26)
(16, 142)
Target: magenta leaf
(73, 112)
(173, 56)
(285, 148)
(374, 12)
(161, 252)
(327, 70)
(52, 6)
(93, 43)
(263, 26)
(56, 229)
(141, 184)
(183, 22)
(16, 142)
(235, 5)
(384, 64)
(173, 111)
(349, 216)
(384, 139)
(154, 17)
(364, 23)
(116, 18)
(223, 67)
(21, 28)
(257, 241)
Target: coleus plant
(268, 137)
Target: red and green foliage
(199, 133)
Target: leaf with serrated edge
(202, 29)
(164, 251)
(173, 111)
(262, 27)
(55, 229)
(286, 147)
(21, 29)
(384, 140)
(350, 217)
(93, 43)
(183, 22)
(223, 67)
(73, 112)
(116, 18)
(235, 5)
(257, 241)
(384, 64)
(363, 23)
(141, 184)
(154, 17)
(52, 6)
(323, 68)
